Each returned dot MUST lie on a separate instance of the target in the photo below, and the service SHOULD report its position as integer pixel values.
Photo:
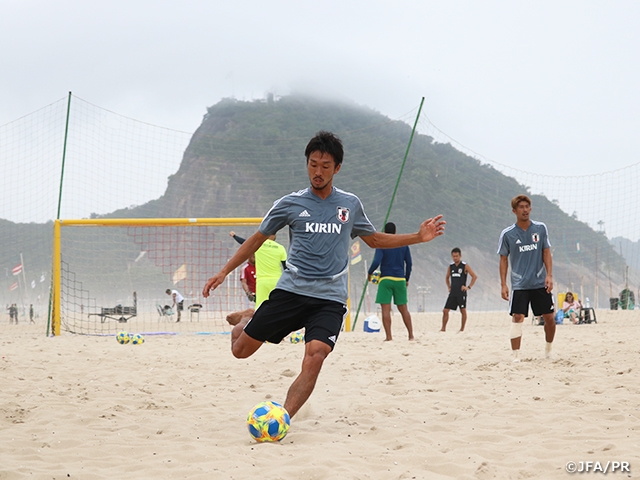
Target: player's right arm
(504, 267)
(245, 286)
(237, 238)
(447, 279)
(243, 253)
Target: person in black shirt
(456, 280)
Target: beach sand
(446, 406)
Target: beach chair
(587, 315)
(194, 309)
(164, 312)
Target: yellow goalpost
(154, 229)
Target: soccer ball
(122, 338)
(137, 339)
(296, 337)
(375, 277)
(268, 422)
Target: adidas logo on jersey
(333, 338)
(304, 213)
(518, 242)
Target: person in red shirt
(248, 278)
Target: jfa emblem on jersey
(459, 270)
(343, 214)
(535, 237)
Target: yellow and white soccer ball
(123, 338)
(137, 339)
(296, 337)
(375, 277)
(268, 422)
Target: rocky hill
(245, 155)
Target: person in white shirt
(178, 301)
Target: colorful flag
(13, 286)
(180, 274)
(355, 252)
(17, 270)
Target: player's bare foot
(236, 317)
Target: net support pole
(53, 321)
(64, 154)
(393, 196)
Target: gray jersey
(320, 233)
(525, 251)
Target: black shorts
(541, 302)
(285, 312)
(455, 300)
(180, 306)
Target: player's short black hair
(168, 290)
(456, 250)
(326, 142)
(390, 227)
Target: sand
(446, 406)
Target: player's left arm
(375, 263)
(408, 265)
(548, 264)
(474, 277)
(429, 229)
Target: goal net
(117, 167)
(113, 274)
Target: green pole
(393, 196)
(64, 156)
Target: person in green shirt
(271, 259)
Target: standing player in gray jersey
(527, 243)
(312, 291)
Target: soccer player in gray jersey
(526, 242)
(312, 291)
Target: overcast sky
(541, 86)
